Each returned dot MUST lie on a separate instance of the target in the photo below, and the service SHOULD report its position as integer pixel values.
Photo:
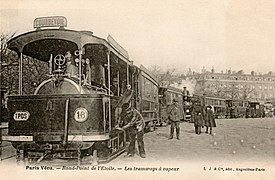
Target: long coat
(174, 113)
(197, 115)
(209, 118)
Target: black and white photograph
(142, 89)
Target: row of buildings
(231, 84)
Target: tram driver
(71, 69)
(134, 124)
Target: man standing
(209, 119)
(135, 126)
(174, 118)
(197, 115)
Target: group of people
(203, 117)
(200, 116)
(133, 122)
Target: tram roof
(171, 88)
(149, 75)
(80, 38)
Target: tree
(165, 77)
(34, 71)
(9, 66)
(232, 91)
(247, 92)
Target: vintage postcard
(181, 89)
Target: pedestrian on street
(134, 124)
(197, 115)
(174, 118)
(209, 119)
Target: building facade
(259, 87)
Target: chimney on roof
(212, 70)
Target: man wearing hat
(174, 118)
(197, 115)
(134, 123)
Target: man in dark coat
(174, 118)
(197, 115)
(134, 123)
(209, 119)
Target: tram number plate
(21, 115)
(81, 114)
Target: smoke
(190, 85)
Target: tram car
(166, 96)
(73, 113)
(272, 102)
(146, 98)
(268, 109)
(255, 110)
(236, 108)
(218, 106)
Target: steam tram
(73, 113)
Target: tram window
(71, 68)
(148, 89)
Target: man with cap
(197, 115)
(134, 123)
(174, 118)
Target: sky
(181, 34)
